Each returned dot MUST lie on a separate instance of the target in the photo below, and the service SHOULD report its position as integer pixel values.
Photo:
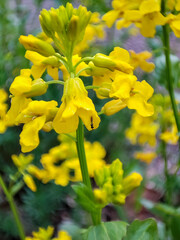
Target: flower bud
(39, 87)
(30, 182)
(131, 182)
(35, 44)
(113, 107)
(52, 60)
(101, 60)
(100, 196)
(104, 90)
(119, 199)
(72, 31)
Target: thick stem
(13, 209)
(81, 154)
(96, 218)
(169, 79)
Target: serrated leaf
(142, 230)
(108, 230)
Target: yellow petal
(29, 138)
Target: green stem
(13, 209)
(169, 78)
(96, 217)
(85, 59)
(92, 87)
(166, 173)
(81, 154)
(82, 70)
(55, 82)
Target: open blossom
(131, 93)
(145, 14)
(75, 105)
(139, 60)
(35, 116)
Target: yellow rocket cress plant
(54, 51)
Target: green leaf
(175, 223)
(142, 230)
(107, 231)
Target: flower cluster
(112, 78)
(146, 130)
(61, 164)
(145, 14)
(44, 234)
(113, 188)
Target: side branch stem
(13, 209)
(96, 217)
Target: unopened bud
(113, 107)
(35, 44)
(101, 60)
(104, 90)
(100, 196)
(30, 182)
(72, 31)
(39, 87)
(131, 182)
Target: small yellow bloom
(146, 157)
(41, 63)
(139, 60)
(23, 85)
(42, 234)
(143, 130)
(62, 235)
(174, 23)
(75, 105)
(118, 59)
(34, 117)
(170, 137)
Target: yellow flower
(41, 63)
(34, 117)
(42, 234)
(3, 110)
(30, 182)
(146, 157)
(69, 168)
(139, 60)
(23, 85)
(151, 17)
(75, 105)
(174, 23)
(170, 137)
(130, 93)
(120, 7)
(118, 59)
(143, 130)
(62, 235)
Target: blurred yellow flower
(146, 157)
(139, 60)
